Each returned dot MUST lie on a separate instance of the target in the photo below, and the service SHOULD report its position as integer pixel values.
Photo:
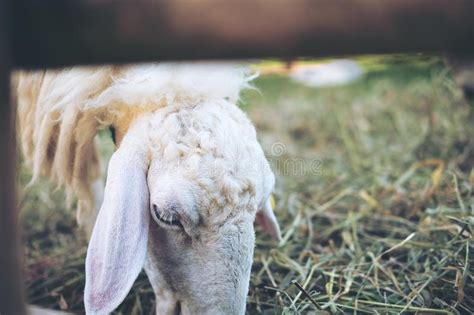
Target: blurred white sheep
(335, 73)
(186, 156)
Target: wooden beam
(11, 264)
(50, 33)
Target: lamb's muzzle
(183, 187)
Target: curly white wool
(61, 111)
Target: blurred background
(374, 160)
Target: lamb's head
(183, 191)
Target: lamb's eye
(165, 218)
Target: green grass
(374, 196)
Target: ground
(374, 197)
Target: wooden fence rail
(11, 285)
(66, 32)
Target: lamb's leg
(166, 302)
(87, 213)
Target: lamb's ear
(267, 219)
(117, 249)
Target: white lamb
(186, 156)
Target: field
(374, 196)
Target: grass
(374, 195)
